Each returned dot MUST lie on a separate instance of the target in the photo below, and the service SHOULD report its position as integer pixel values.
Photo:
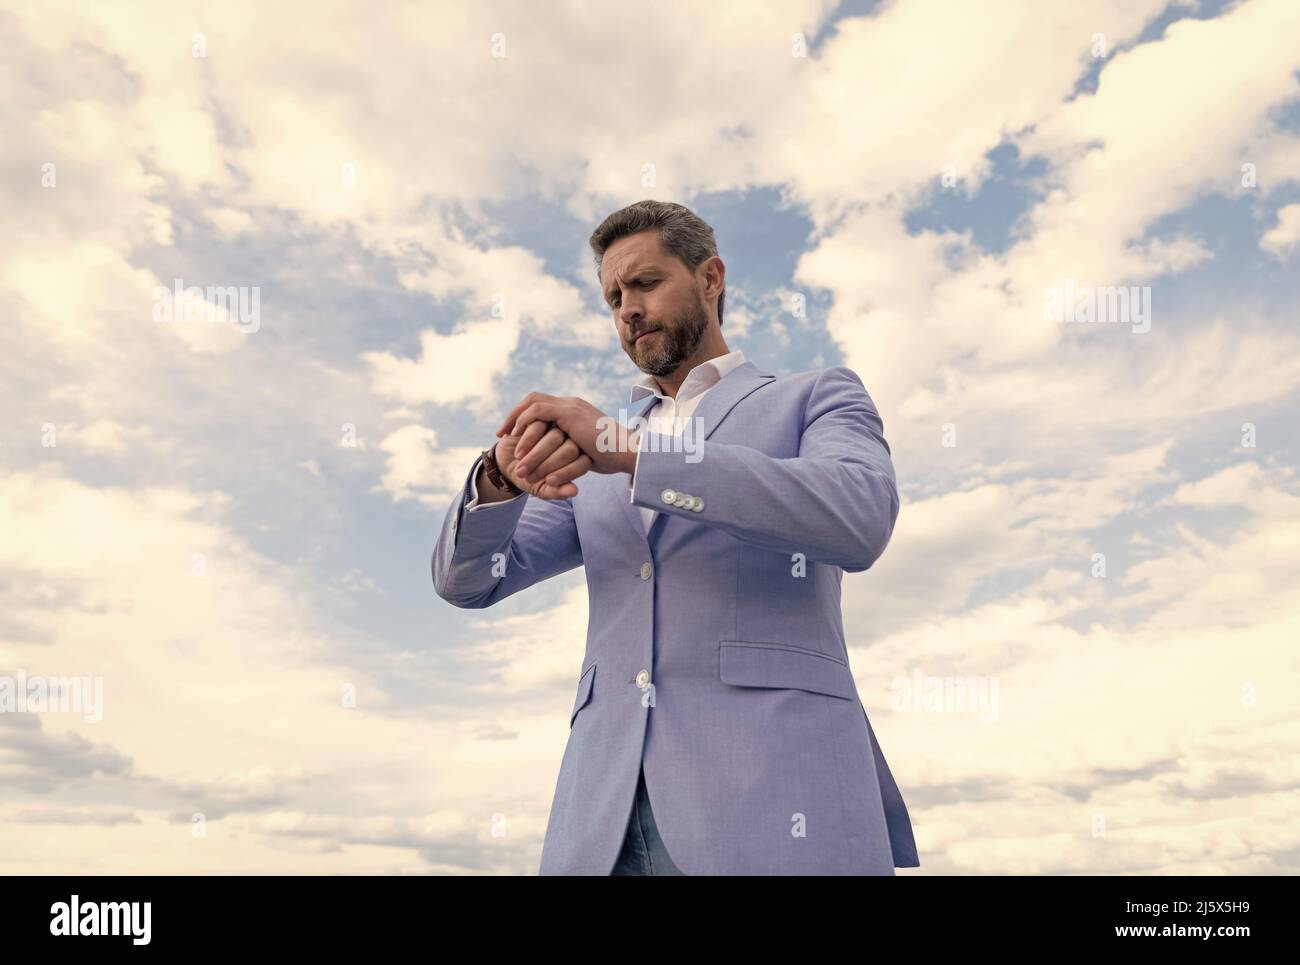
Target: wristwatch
(494, 473)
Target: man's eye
(643, 284)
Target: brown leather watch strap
(494, 473)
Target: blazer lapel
(713, 408)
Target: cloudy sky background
(412, 193)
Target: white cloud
(221, 697)
(902, 315)
(231, 221)
(1121, 696)
(1123, 722)
(451, 369)
(415, 468)
(105, 435)
(1283, 237)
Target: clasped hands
(546, 442)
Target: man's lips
(643, 335)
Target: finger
(543, 490)
(545, 411)
(565, 452)
(533, 488)
(539, 443)
(524, 403)
(509, 420)
(566, 474)
(565, 491)
(532, 438)
(505, 448)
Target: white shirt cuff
(473, 505)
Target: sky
(219, 515)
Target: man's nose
(631, 313)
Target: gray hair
(682, 233)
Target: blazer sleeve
(836, 502)
(488, 553)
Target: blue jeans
(643, 850)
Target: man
(714, 536)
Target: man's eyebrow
(635, 277)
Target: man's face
(651, 291)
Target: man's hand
(537, 484)
(609, 446)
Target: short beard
(680, 339)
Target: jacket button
(669, 496)
(643, 678)
(699, 504)
(646, 570)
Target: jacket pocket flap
(748, 664)
(584, 691)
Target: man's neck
(670, 385)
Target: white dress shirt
(669, 415)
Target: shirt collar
(702, 377)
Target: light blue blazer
(715, 653)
